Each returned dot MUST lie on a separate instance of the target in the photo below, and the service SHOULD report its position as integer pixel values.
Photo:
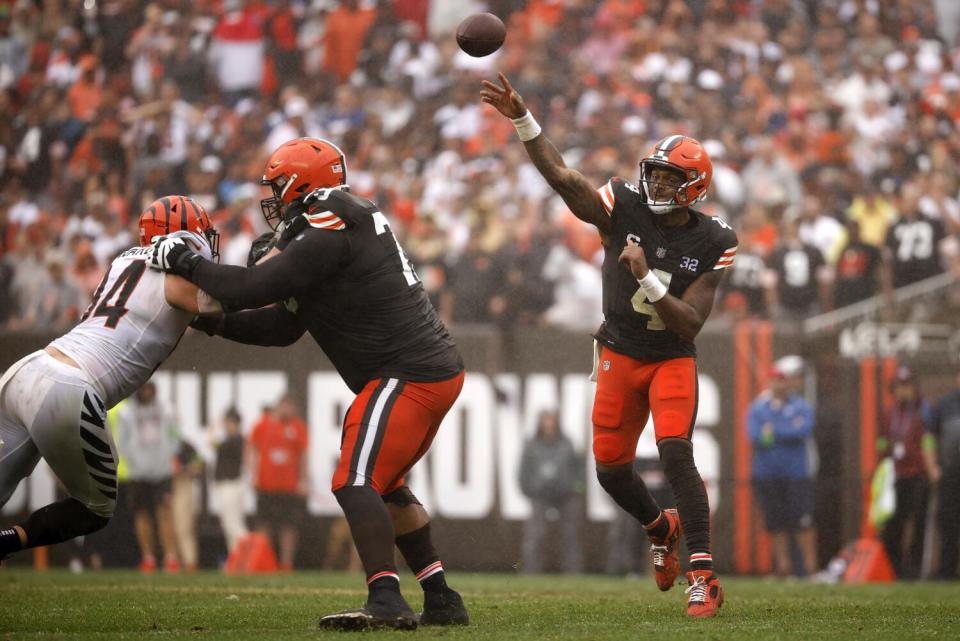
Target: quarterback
(54, 402)
(338, 272)
(662, 264)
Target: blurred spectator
(228, 483)
(278, 456)
(187, 468)
(857, 275)
(798, 273)
(550, 474)
(347, 27)
(945, 428)
(57, 304)
(744, 292)
(903, 436)
(874, 213)
(147, 438)
(913, 243)
(780, 424)
(237, 49)
(819, 229)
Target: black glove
(172, 255)
(294, 223)
(260, 247)
(209, 325)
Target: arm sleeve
(311, 258)
(272, 326)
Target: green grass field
(125, 605)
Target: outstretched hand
(504, 99)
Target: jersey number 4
(118, 294)
(642, 305)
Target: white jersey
(129, 329)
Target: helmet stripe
(183, 213)
(343, 159)
(166, 215)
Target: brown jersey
(677, 255)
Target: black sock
(422, 558)
(659, 529)
(625, 486)
(59, 522)
(692, 503)
(372, 531)
(9, 542)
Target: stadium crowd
(829, 123)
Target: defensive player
(339, 273)
(53, 402)
(662, 264)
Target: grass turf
(126, 605)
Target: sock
(385, 580)
(692, 503)
(701, 561)
(625, 486)
(372, 531)
(422, 558)
(9, 542)
(659, 528)
(59, 522)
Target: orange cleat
(170, 564)
(665, 551)
(706, 594)
(148, 564)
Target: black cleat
(384, 609)
(443, 608)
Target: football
(481, 34)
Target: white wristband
(527, 127)
(652, 287)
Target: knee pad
(608, 449)
(401, 497)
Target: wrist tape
(527, 128)
(652, 287)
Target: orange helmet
(684, 155)
(298, 167)
(175, 213)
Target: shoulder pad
(617, 189)
(336, 209)
(725, 240)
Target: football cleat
(443, 608)
(666, 552)
(383, 609)
(705, 594)
(148, 565)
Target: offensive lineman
(662, 264)
(342, 276)
(54, 402)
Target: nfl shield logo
(661, 252)
(606, 366)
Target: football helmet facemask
(175, 213)
(681, 154)
(297, 168)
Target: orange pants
(389, 427)
(628, 391)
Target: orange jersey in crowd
(280, 447)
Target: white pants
(50, 409)
(230, 503)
